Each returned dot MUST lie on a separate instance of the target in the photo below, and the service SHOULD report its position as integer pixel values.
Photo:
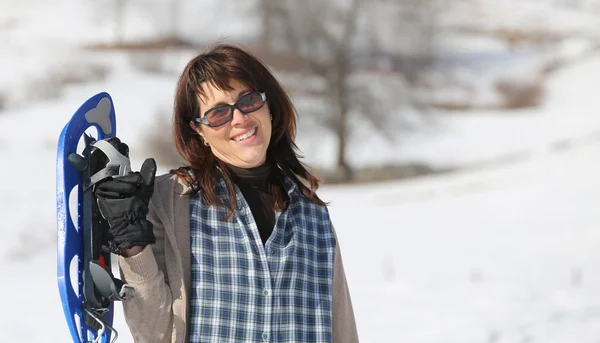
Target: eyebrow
(241, 94)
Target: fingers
(104, 208)
(126, 186)
(133, 178)
(148, 171)
(116, 188)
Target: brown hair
(218, 66)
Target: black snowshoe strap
(104, 173)
(118, 163)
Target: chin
(255, 163)
(254, 160)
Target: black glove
(123, 201)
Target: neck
(256, 177)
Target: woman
(236, 246)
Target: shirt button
(265, 336)
(265, 291)
(273, 252)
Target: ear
(196, 128)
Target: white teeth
(245, 135)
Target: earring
(271, 115)
(206, 143)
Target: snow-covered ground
(507, 255)
(504, 255)
(495, 253)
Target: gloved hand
(123, 202)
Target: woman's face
(243, 141)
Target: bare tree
(119, 7)
(267, 12)
(348, 43)
(174, 18)
(115, 16)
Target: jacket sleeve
(149, 313)
(344, 325)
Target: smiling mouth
(245, 136)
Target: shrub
(522, 93)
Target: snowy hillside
(504, 250)
(507, 255)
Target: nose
(238, 118)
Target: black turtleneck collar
(255, 185)
(257, 177)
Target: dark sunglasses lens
(219, 116)
(250, 102)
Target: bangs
(218, 71)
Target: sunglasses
(223, 114)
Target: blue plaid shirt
(243, 291)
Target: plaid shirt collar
(289, 185)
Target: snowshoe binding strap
(118, 163)
(109, 287)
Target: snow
(490, 255)
(503, 250)
(476, 255)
